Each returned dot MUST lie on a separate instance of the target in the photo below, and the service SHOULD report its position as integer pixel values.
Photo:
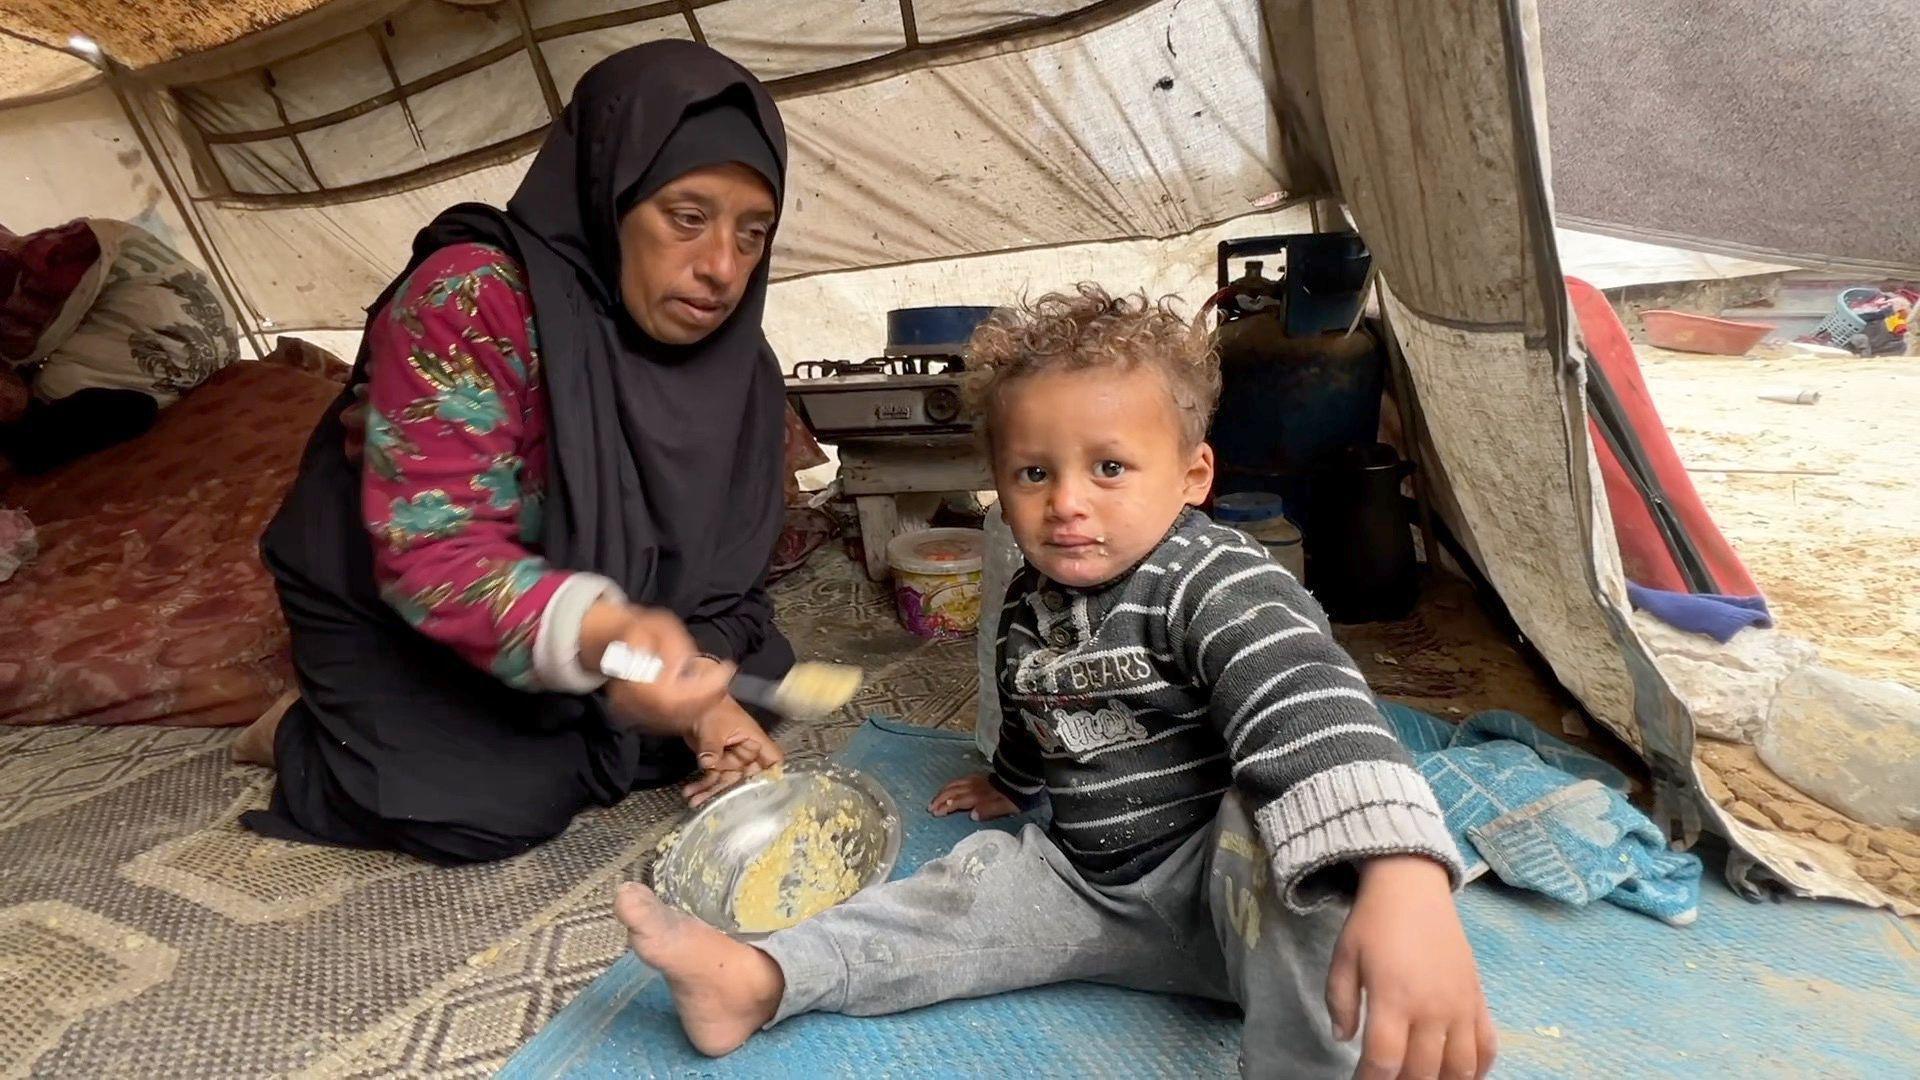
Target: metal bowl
(701, 867)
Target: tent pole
(111, 74)
(538, 59)
(1326, 215)
(1409, 431)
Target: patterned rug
(142, 932)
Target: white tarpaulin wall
(1130, 119)
(1095, 128)
(77, 155)
(1151, 121)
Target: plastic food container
(936, 580)
(1262, 516)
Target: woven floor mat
(142, 932)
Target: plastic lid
(939, 551)
(1273, 531)
(1245, 506)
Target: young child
(1230, 815)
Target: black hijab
(666, 461)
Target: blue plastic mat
(1793, 989)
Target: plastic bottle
(1262, 516)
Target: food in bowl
(779, 848)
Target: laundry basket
(1842, 326)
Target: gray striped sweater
(1134, 706)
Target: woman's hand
(975, 793)
(690, 685)
(730, 746)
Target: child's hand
(1405, 948)
(975, 793)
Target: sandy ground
(1451, 659)
(1831, 531)
(1833, 537)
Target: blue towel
(1719, 617)
(1546, 816)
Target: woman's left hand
(730, 746)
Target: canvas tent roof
(928, 130)
(141, 33)
(31, 70)
(310, 161)
(1783, 140)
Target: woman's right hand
(690, 686)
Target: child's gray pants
(1001, 913)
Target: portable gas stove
(888, 395)
(901, 426)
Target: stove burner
(879, 365)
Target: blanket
(1546, 816)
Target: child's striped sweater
(1136, 705)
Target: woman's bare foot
(255, 744)
(725, 990)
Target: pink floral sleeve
(456, 460)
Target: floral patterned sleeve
(455, 458)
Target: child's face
(1092, 469)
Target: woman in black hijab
(575, 438)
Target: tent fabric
(30, 70)
(1426, 159)
(1460, 232)
(386, 102)
(1503, 457)
(1789, 147)
(1134, 119)
(1610, 262)
(142, 32)
(1444, 223)
(341, 86)
(1015, 155)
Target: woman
(573, 437)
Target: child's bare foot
(254, 746)
(725, 990)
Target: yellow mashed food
(807, 869)
(817, 689)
